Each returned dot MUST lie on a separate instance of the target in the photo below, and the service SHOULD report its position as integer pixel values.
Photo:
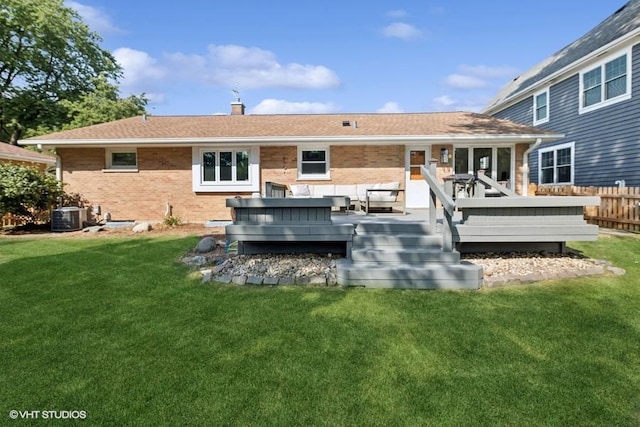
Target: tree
(102, 105)
(47, 54)
(26, 191)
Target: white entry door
(416, 188)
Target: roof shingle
(292, 125)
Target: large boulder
(206, 244)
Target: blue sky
(331, 56)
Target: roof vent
(347, 123)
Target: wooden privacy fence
(619, 207)
(10, 220)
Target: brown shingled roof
(293, 125)
(11, 152)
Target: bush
(26, 191)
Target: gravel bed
(499, 269)
(517, 267)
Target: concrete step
(431, 276)
(396, 240)
(397, 227)
(398, 255)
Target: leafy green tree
(102, 105)
(47, 54)
(26, 191)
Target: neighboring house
(590, 92)
(18, 155)
(134, 167)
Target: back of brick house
(134, 167)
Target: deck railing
(480, 190)
(437, 192)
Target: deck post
(433, 219)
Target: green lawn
(117, 327)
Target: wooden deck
(280, 225)
(407, 252)
(522, 223)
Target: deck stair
(404, 254)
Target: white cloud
(449, 103)
(229, 66)
(397, 14)
(479, 76)
(402, 30)
(250, 67)
(141, 73)
(444, 101)
(488, 72)
(280, 106)
(461, 81)
(390, 107)
(96, 19)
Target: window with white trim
(541, 107)
(555, 164)
(313, 163)
(225, 169)
(121, 159)
(607, 83)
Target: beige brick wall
(164, 176)
(349, 165)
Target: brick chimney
(237, 108)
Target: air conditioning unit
(68, 219)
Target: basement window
(121, 159)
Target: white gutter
(290, 140)
(558, 76)
(525, 166)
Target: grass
(117, 327)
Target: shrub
(26, 191)
(172, 221)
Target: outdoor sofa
(365, 197)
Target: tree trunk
(15, 136)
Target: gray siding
(607, 140)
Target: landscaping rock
(239, 280)
(223, 279)
(254, 280)
(206, 275)
(141, 227)
(206, 244)
(93, 229)
(270, 281)
(318, 280)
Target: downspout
(525, 166)
(58, 168)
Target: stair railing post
(433, 218)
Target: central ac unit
(68, 219)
